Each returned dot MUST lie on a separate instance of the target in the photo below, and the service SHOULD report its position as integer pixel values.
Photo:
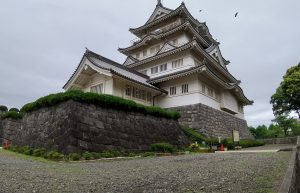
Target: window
(210, 92)
(138, 55)
(163, 67)
(177, 63)
(138, 93)
(149, 96)
(128, 90)
(173, 90)
(97, 89)
(185, 88)
(144, 72)
(154, 70)
(145, 53)
(203, 88)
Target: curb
(289, 183)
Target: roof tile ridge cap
(124, 68)
(186, 23)
(152, 22)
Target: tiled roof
(116, 69)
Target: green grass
(4, 152)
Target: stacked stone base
(75, 127)
(211, 122)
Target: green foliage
(244, 143)
(287, 96)
(193, 135)
(74, 156)
(87, 155)
(103, 100)
(14, 110)
(12, 115)
(194, 147)
(106, 154)
(40, 152)
(28, 150)
(263, 132)
(148, 154)
(54, 155)
(3, 108)
(162, 148)
(286, 123)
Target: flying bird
(200, 10)
(236, 14)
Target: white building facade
(175, 62)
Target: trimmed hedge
(162, 148)
(12, 115)
(14, 110)
(103, 100)
(3, 108)
(197, 137)
(244, 143)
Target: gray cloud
(41, 42)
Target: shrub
(28, 150)
(12, 115)
(103, 100)
(162, 148)
(96, 155)
(40, 152)
(3, 108)
(14, 110)
(194, 147)
(193, 135)
(87, 155)
(244, 143)
(106, 154)
(148, 154)
(54, 155)
(74, 156)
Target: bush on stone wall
(14, 110)
(103, 100)
(12, 115)
(3, 108)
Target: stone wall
(211, 122)
(76, 127)
(1, 132)
(285, 140)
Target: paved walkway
(262, 149)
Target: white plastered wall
(194, 96)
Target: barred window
(128, 90)
(97, 89)
(173, 90)
(154, 70)
(185, 88)
(163, 67)
(177, 63)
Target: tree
(286, 123)
(287, 96)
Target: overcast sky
(42, 42)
